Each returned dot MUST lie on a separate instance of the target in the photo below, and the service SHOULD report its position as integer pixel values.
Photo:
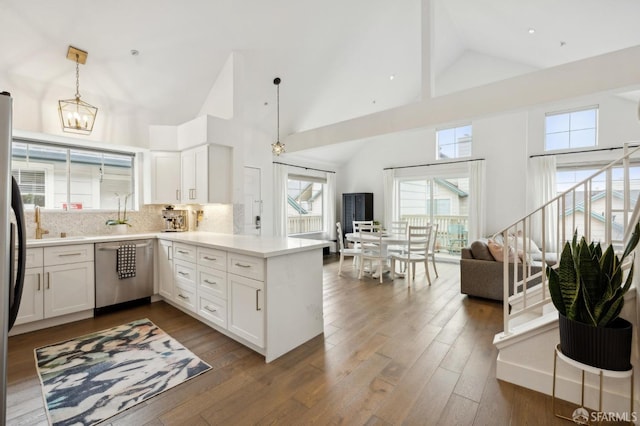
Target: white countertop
(251, 245)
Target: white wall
(505, 141)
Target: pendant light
(277, 148)
(77, 116)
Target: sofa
(481, 275)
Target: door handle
(211, 282)
(213, 311)
(210, 258)
(48, 281)
(39, 279)
(258, 308)
(177, 195)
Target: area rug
(91, 378)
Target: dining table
(388, 239)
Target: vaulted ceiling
(335, 57)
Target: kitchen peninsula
(264, 292)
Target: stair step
(524, 330)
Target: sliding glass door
(442, 201)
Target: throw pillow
(480, 251)
(497, 251)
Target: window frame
(456, 144)
(69, 147)
(311, 179)
(568, 112)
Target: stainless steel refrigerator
(12, 241)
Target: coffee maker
(175, 220)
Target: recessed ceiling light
(134, 52)
(392, 76)
(532, 30)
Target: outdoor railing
(452, 230)
(303, 224)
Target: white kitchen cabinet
(69, 288)
(165, 268)
(246, 308)
(58, 281)
(32, 301)
(207, 173)
(165, 178)
(185, 276)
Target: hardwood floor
(389, 355)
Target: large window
(305, 198)
(568, 177)
(572, 129)
(71, 178)
(454, 142)
(441, 201)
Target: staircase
(526, 346)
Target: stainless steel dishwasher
(114, 292)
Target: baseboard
(615, 391)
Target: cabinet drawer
(185, 274)
(184, 252)
(212, 258)
(185, 297)
(213, 309)
(246, 266)
(61, 255)
(212, 281)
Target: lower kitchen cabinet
(165, 268)
(246, 308)
(32, 302)
(58, 281)
(68, 289)
(213, 309)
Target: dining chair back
(432, 247)
(345, 252)
(419, 241)
(373, 250)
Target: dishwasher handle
(106, 248)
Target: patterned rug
(91, 378)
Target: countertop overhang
(252, 245)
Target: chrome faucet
(39, 231)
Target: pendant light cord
(77, 77)
(278, 109)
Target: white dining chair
(373, 250)
(344, 252)
(417, 252)
(431, 253)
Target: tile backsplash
(216, 218)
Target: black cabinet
(356, 206)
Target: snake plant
(587, 286)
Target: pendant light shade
(77, 116)
(278, 147)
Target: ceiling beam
(604, 73)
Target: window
(454, 142)
(568, 177)
(573, 129)
(437, 200)
(63, 177)
(305, 204)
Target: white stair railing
(554, 223)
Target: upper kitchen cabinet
(207, 173)
(165, 178)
